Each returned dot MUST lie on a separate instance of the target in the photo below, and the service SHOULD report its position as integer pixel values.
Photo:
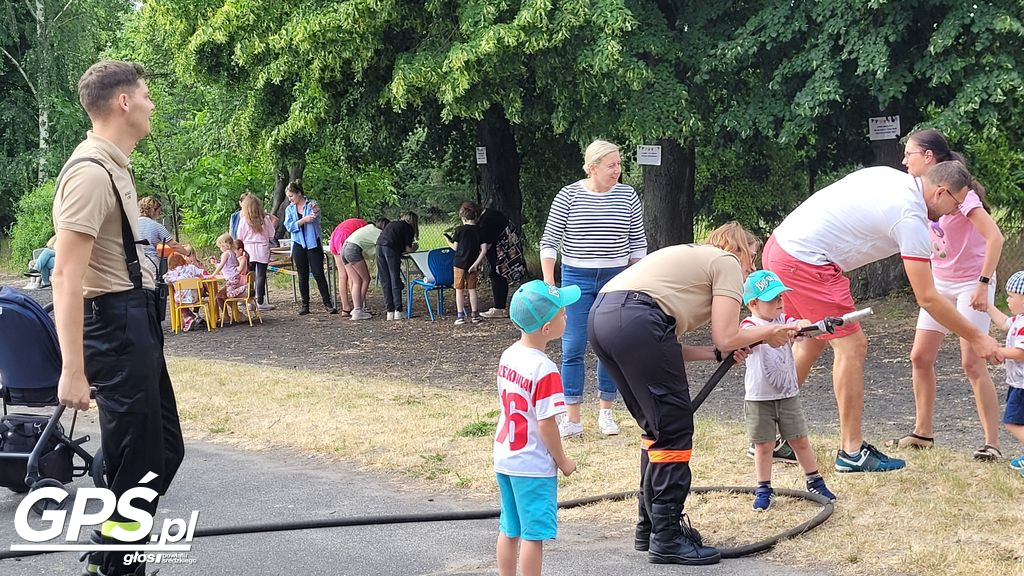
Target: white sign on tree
(884, 128)
(648, 155)
(481, 155)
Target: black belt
(641, 297)
(625, 296)
(134, 295)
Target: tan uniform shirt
(682, 280)
(85, 203)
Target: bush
(33, 225)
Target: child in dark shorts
(1013, 418)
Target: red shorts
(815, 291)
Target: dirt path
(441, 354)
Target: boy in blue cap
(527, 447)
(771, 403)
(1013, 418)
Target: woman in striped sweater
(597, 223)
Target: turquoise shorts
(529, 507)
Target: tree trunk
(669, 196)
(499, 178)
(43, 89)
(880, 278)
(283, 175)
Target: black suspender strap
(131, 255)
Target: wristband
(984, 279)
(718, 355)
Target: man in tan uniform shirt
(116, 346)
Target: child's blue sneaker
(868, 459)
(1017, 463)
(817, 486)
(763, 498)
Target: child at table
(237, 286)
(179, 268)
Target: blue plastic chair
(440, 274)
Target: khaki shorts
(465, 280)
(764, 417)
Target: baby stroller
(34, 450)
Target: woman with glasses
(966, 245)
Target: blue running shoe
(817, 486)
(868, 459)
(1017, 463)
(763, 498)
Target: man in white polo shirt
(869, 215)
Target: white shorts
(959, 295)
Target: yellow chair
(189, 284)
(245, 301)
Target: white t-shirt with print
(771, 372)
(529, 389)
(869, 215)
(1015, 339)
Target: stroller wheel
(47, 504)
(98, 470)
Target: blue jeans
(574, 340)
(44, 264)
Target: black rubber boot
(93, 560)
(304, 309)
(642, 536)
(674, 541)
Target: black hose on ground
(736, 552)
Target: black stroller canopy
(29, 355)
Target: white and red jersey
(771, 372)
(530, 389)
(1015, 339)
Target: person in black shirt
(397, 238)
(493, 226)
(469, 255)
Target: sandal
(988, 453)
(912, 441)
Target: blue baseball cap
(762, 285)
(536, 303)
(1015, 284)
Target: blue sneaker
(817, 486)
(868, 459)
(763, 498)
(1017, 463)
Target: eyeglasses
(955, 201)
(907, 153)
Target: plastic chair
(189, 284)
(439, 274)
(245, 301)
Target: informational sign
(481, 155)
(648, 155)
(884, 128)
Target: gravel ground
(441, 354)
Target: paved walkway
(230, 487)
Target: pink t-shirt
(257, 242)
(343, 231)
(958, 249)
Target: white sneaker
(359, 314)
(391, 316)
(33, 284)
(606, 422)
(399, 315)
(495, 313)
(570, 429)
(265, 307)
